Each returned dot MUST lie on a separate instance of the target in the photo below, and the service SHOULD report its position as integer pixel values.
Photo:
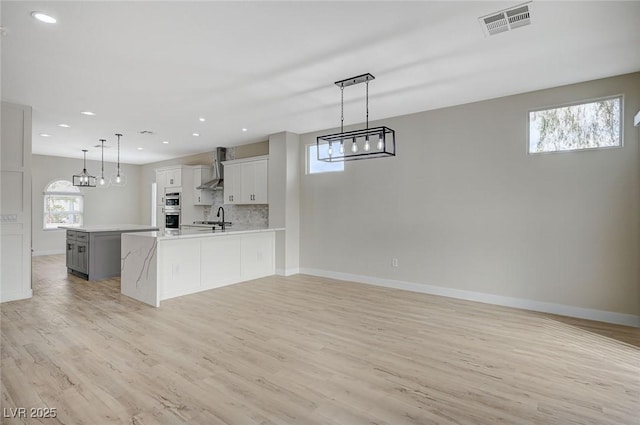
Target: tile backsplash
(241, 215)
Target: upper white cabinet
(201, 174)
(167, 178)
(246, 181)
(254, 185)
(232, 177)
(174, 177)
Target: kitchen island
(160, 265)
(93, 251)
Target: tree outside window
(63, 205)
(594, 124)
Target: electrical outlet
(394, 262)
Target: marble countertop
(202, 233)
(111, 228)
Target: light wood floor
(305, 350)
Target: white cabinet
(179, 266)
(254, 182)
(201, 174)
(202, 197)
(257, 255)
(246, 181)
(174, 177)
(232, 177)
(167, 178)
(219, 261)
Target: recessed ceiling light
(244, 129)
(64, 125)
(43, 17)
(165, 142)
(140, 149)
(196, 134)
(87, 113)
(202, 119)
(45, 135)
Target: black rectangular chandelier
(376, 142)
(84, 179)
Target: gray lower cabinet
(94, 255)
(71, 248)
(83, 257)
(78, 253)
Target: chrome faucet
(218, 215)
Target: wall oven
(172, 200)
(172, 211)
(172, 220)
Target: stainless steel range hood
(216, 183)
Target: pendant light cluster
(367, 143)
(118, 179)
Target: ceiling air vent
(506, 20)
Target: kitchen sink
(213, 223)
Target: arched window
(63, 205)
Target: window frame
(46, 195)
(307, 165)
(575, 103)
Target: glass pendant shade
(84, 179)
(103, 182)
(118, 179)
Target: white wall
(284, 199)
(113, 205)
(467, 212)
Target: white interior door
(15, 203)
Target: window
(589, 125)
(63, 205)
(314, 166)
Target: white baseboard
(545, 307)
(38, 253)
(14, 296)
(287, 272)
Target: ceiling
(270, 66)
